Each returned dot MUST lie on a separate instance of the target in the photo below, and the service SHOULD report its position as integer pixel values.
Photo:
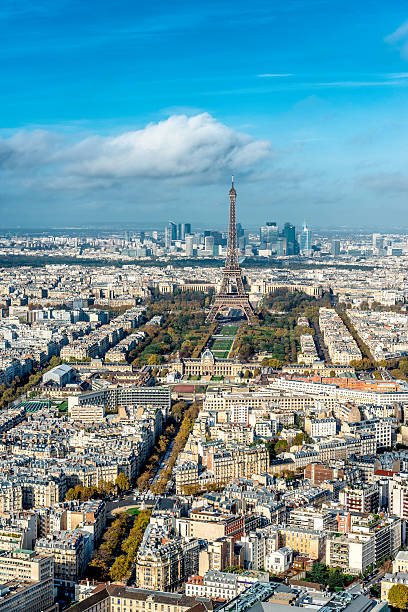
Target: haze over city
(141, 112)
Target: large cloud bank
(177, 147)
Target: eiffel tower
(232, 293)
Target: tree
(398, 596)
(120, 568)
(403, 366)
(299, 439)
(70, 494)
(162, 444)
(105, 487)
(154, 359)
(335, 579)
(280, 446)
(122, 482)
(276, 364)
(397, 373)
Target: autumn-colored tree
(280, 446)
(398, 596)
(154, 359)
(120, 568)
(122, 482)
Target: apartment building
(27, 595)
(351, 553)
(308, 542)
(120, 598)
(222, 585)
(321, 428)
(362, 497)
(71, 551)
(381, 428)
(25, 565)
(88, 413)
(210, 524)
(164, 560)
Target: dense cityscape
(203, 306)
(203, 419)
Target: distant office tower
(305, 241)
(187, 228)
(281, 246)
(268, 235)
(378, 242)
(335, 247)
(142, 236)
(289, 233)
(173, 230)
(209, 243)
(167, 237)
(189, 245)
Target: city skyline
(143, 114)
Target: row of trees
(196, 489)
(180, 440)
(104, 488)
(124, 563)
(365, 350)
(103, 556)
(176, 415)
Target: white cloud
(269, 75)
(399, 38)
(178, 147)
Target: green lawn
(222, 344)
(229, 330)
(221, 354)
(133, 511)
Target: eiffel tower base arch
(232, 301)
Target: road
(163, 462)
(320, 345)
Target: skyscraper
(335, 248)
(268, 235)
(289, 233)
(378, 242)
(189, 245)
(167, 237)
(173, 230)
(209, 243)
(305, 241)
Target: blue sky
(130, 111)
